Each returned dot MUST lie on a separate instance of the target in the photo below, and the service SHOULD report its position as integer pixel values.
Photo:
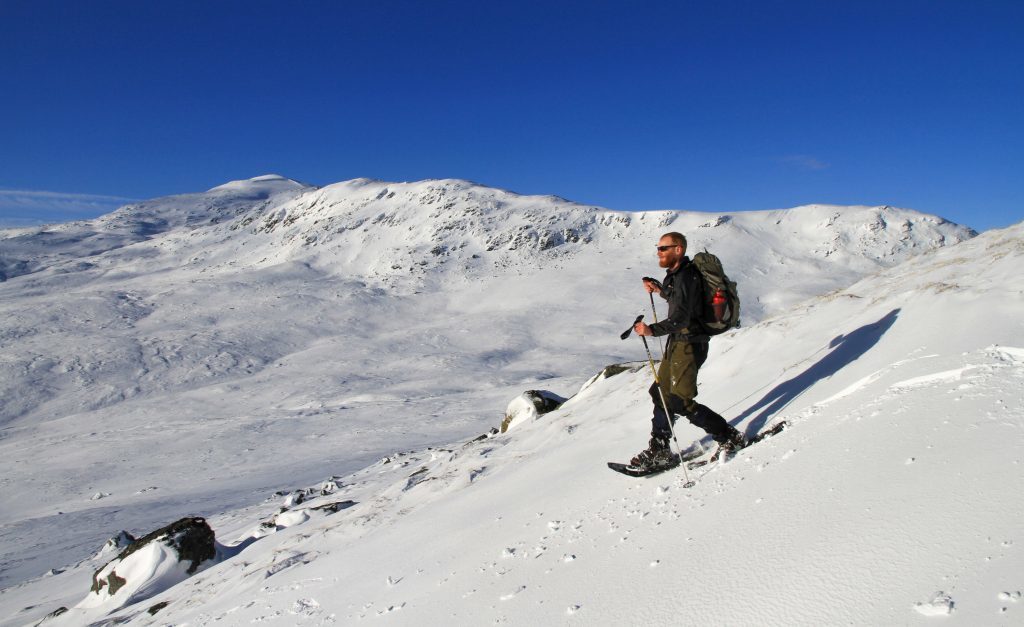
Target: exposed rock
(337, 506)
(116, 544)
(483, 436)
(530, 405)
(611, 371)
(121, 540)
(159, 606)
(614, 369)
(190, 538)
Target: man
(687, 349)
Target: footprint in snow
(389, 609)
(512, 595)
(941, 605)
(306, 607)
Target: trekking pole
(654, 311)
(664, 404)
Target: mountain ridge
(495, 223)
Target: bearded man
(687, 349)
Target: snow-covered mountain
(456, 230)
(177, 293)
(280, 337)
(72, 244)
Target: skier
(686, 351)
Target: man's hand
(652, 287)
(642, 329)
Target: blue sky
(714, 106)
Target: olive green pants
(678, 373)
(677, 377)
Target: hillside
(215, 361)
(891, 499)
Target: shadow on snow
(846, 350)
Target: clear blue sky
(711, 105)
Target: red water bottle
(718, 305)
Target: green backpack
(721, 300)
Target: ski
(764, 435)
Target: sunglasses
(662, 249)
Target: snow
(259, 186)
(148, 571)
(941, 605)
(215, 369)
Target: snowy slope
(308, 332)
(892, 499)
